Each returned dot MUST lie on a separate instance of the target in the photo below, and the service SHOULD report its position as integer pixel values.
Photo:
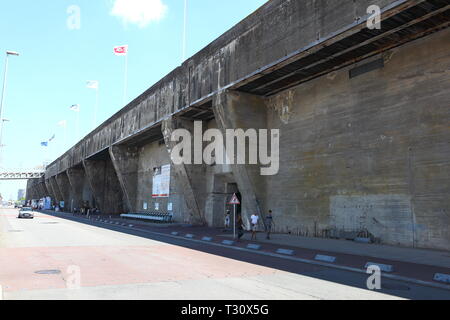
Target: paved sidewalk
(411, 255)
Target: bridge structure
(21, 174)
(362, 115)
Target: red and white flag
(121, 50)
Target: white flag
(92, 84)
(75, 108)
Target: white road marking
(321, 257)
(383, 267)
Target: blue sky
(56, 61)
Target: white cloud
(139, 12)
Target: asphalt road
(55, 258)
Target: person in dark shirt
(239, 227)
(269, 224)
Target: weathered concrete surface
(370, 148)
(384, 216)
(269, 34)
(365, 155)
(151, 156)
(56, 190)
(43, 191)
(49, 189)
(36, 189)
(76, 178)
(29, 195)
(187, 176)
(126, 162)
(234, 110)
(105, 186)
(64, 186)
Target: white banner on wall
(161, 183)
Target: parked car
(26, 213)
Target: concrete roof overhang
(401, 22)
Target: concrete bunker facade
(363, 118)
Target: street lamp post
(2, 101)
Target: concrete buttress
(76, 178)
(190, 182)
(236, 110)
(56, 191)
(64, 186)
(126, 161)
(105, 186)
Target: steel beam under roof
(410, 21)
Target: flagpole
(78, 126)
(96, 108)
(184, 30)
(65, 136)
(126, 80)
(51, 152)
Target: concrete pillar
(126, 161)
(40, 190)
(34, 192)
(44, 188)
(236, 110)
(32, 189)
(76, 178)
(29, 192)
(56, 191)
(190, 178)
(49, 187)
(64, 186)
(105, 186)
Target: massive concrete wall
(370, 152)
(366, 154)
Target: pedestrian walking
(269, 224)
(239, 227)
(254, 221)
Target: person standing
(227, 220)
(254, 221)
(239, 227)
(269, 224)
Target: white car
(26, 213)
